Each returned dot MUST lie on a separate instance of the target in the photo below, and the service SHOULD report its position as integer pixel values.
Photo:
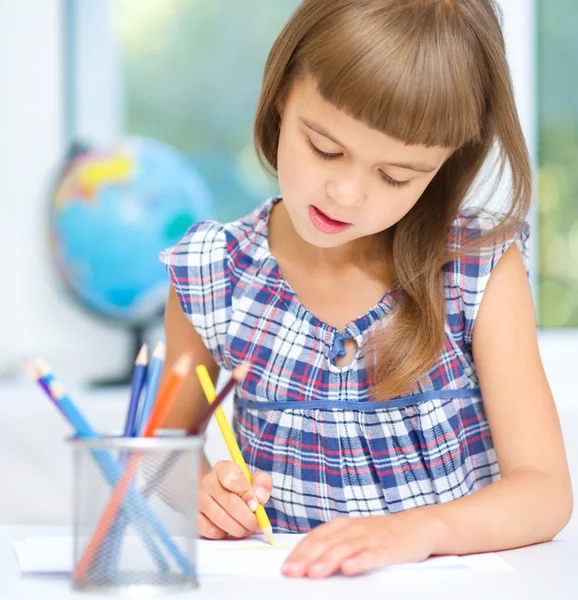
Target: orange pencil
(165, 399)
(168, 394)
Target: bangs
(410, 70)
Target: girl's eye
(332, 156)
(321, 154)
(391, 181)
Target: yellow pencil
(233, 447)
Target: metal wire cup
(151, 543)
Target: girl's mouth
(324, 223)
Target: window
(558, 162)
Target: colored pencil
(165, 400)
(203, 420)
(168, 394)
(111, 550)
(36, 374)
(144, 411)
(195, 429)
(138, 379)
(153, 378)
(106, 462)
(233, 447)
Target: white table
(543, 571)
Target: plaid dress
(309, 423)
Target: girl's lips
(326, 224)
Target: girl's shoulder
(478, 261)
(472, 223)
(209, 265)
(469, 270)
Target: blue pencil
(112, 471)
(111, 548)
(154, 376)
(138, 379)
(115, 471)
(145, 409)
(44, 376)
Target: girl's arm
(180, 337)
(533, 500)
(226, 500)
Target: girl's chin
(320, 240)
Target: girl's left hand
(355, 545)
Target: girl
(396, 400)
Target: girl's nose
(346, 192)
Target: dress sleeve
(199, 267)
(467, 276)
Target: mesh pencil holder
(134, 505)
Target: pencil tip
(42, 367)
(268, 533)
(143, 356)
(159, 350)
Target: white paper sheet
(252, 557)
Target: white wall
(33, 317)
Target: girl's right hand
(227, 501)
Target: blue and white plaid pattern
(309, 423)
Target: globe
(112, 212)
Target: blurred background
(88, 73)
(95, 91)
(187, 73)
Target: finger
(219, 517)
(319, 535)
(367, 560)
(313, 548)
(262, 484)
(224, 486)
(236, 508)
(331, 560)
(208, 529)
(232, 479)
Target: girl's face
(341, 180)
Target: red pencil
(237, 375)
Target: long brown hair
(426, 72)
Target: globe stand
(124, 379)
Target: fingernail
(262, 495)
(318, 569)
(253, 505)
(290, 568)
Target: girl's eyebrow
(411, 166)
